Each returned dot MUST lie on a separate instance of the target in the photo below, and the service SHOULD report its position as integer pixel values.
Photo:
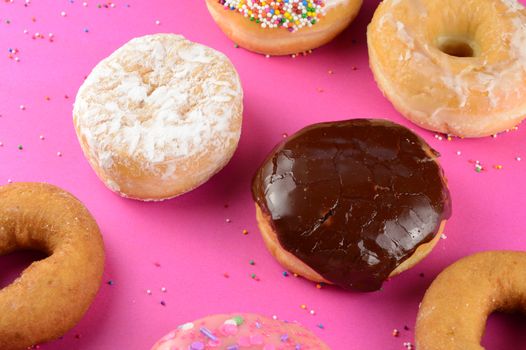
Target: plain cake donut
(456, 306)
(159, 116)
(282, 28)
(52, 294)
(456, 67)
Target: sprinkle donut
(240, 331)
(159, 116)
(456, 67)
(283, 27)
(51, 295)
(456, 307)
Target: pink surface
(186, 245)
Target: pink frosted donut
(240, 332)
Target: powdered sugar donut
(159, 116)
(240, 331)
(456, 67)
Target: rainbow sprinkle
(289, 14)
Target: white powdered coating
(159, 100)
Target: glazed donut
(455, 308)
(159, 116)
(240, 331)
(351, 203)
(456, 67)
(282, 28)
(51, 295)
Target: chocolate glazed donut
(352, 200)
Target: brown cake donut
(456, 307)
(351, 203)
(51, 295)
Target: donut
(456, 306)
(240, 331)
(159, 116)
(455, 67)
(51, 295)
(351, 203)
(283, 28)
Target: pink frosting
(240, 332)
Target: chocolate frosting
(353, 199)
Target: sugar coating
(491, 82)
(159, 100)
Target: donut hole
(12, 265)
(456, 46)
(505, 331)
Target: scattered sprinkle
(197, 345)
(396, 332)
(408, 346)
(208, 333)
(238, 320)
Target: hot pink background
(186, 245)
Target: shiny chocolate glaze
(353, 199)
